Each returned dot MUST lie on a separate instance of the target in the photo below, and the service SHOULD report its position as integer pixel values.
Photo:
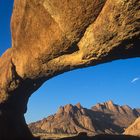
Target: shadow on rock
(83, 136)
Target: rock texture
(51, 37)
(134, 128)
(103, 118)
(121, 116)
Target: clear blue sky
(117, 81)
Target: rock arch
(52, 37)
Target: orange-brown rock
(134, 128)
(51, 37)
(121, 116)
(103, 118)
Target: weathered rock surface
(121, 116)
(68, 120)
(103, 118)
(134, 128)
(51, 37)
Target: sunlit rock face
(103, 118)
(51, 37)
(134, 128)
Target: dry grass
(45, 136)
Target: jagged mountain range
(103, 118)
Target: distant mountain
(103, 118)
(121, 116)
(134, 128)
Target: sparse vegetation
(45, 136)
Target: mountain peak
(72, 119)
(110, 102)
(78, 105)
(60, 110)
(109, 105)
(127, 107)
(68, 108)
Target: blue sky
(118, 80)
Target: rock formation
(52, 37)
(121, 116)
(103, 118)
(68, 120)
(134, 128)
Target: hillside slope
(103, 118)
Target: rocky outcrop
(103, 118)
(52, 37)
(134, 128)
(68, 120)
(122, 116)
